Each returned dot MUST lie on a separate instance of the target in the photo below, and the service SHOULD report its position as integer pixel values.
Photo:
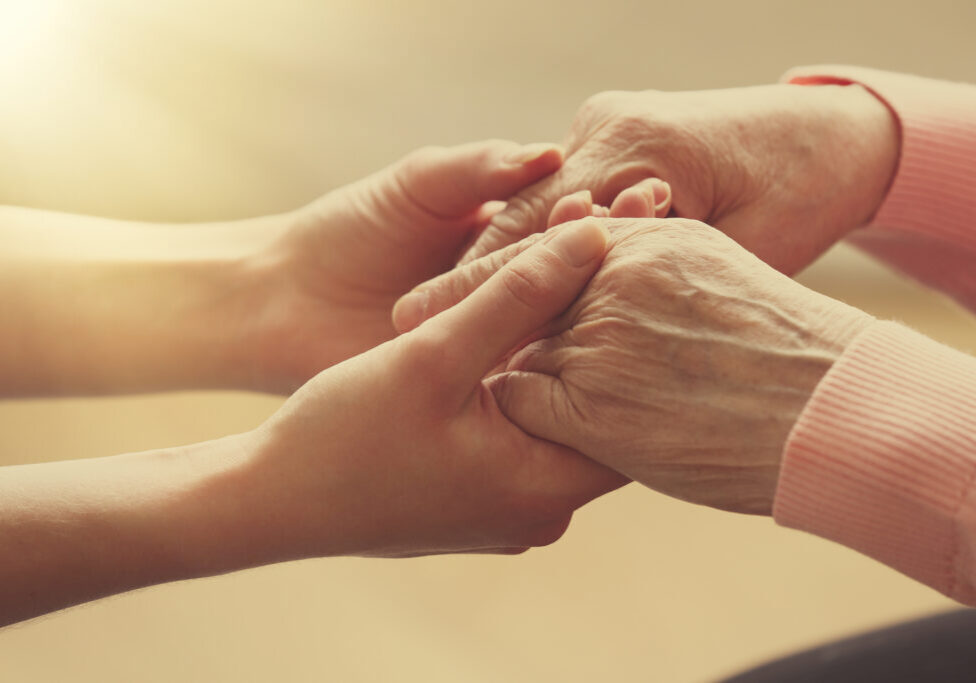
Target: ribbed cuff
(883, 458)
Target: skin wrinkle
(686, 355)
(510, 220)
(766, 164)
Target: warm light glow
(26, 27)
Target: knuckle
(424, 349)
(443, 294)
(699, 235)
(601, 104)
(459, 283)
(414, 168)
(690, 226)
(422, 157)
(520, 215)
(451, 288)
(526, 283)
(490, 148)
(595, 112)
(520, 218)
(505, 255)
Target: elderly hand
(683, 365)
(329, 281)
(785, 170)
(403, 451)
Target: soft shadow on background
(180, 110)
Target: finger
(546, 356)
(486, 212)
(662, 197)
(440, 293)
(451, 182)
(524, 295)
(571, 208)
(525, 214)
(569, 475)
(539, 405)
(646, 199)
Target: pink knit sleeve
(883, 458)
(926, 226)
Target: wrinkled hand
(785, 170)
(403, 451)
(332, 276)
(683, 365)
(646, 199)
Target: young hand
(403, 451)
(335, 272)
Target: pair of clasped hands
(509, 332)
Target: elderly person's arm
(785, 170)
(882, 456)
(926, 226)
(693, 367)
(882, 158)
(397, 452)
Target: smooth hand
(400, 451)
(336, 270)
(785, 170)
(403, 451)
(683, 365)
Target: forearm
(92, 306)
(76, 531)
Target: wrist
(230, 283)
(224, 516)
(880, 138)
(79, 530)
(316, 510)
(276, 316)
(829, 327)
(860, 147)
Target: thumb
(531, 290)
(451, 182)
(447, 289)
(538, 404)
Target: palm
(354, 252)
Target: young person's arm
(95, 306)
(397, 452)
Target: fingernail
(661, 191)
(410, 310)
(579, 243)
(529, 153)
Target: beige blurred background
(185, 110)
